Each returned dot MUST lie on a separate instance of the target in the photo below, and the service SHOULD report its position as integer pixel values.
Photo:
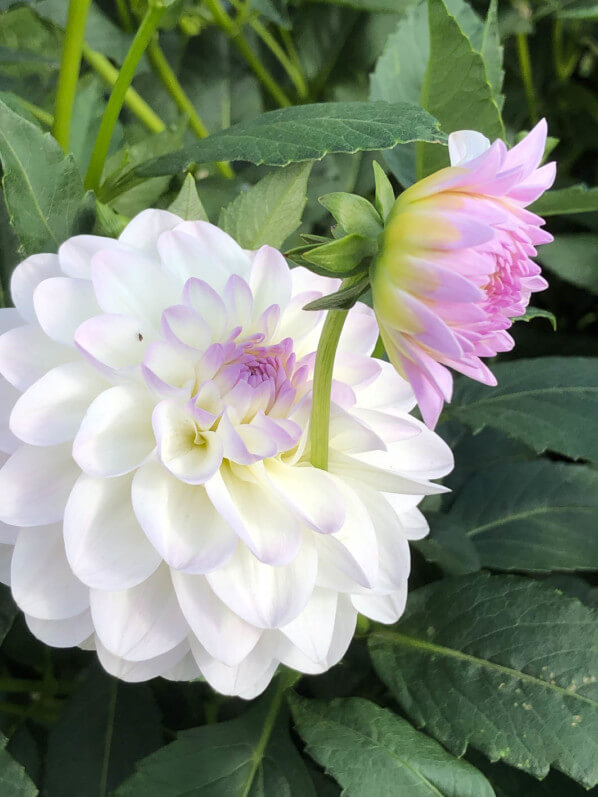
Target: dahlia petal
(75, 254)
(355, 369)
(105, 545)
(61, 304)
(137, 671)
(389, 392)
(223, 634)
(25, 279)
(142, 622)
(50, 411)
(360, 332)
(167, 369)
(8, 397)
(310, 492)
(143, 231)
(66, 633)
(311, 631)
(265, 596)
(384, 478)
(465, 145)
(180, 521)
(35, 483)
(270, 280)
(26, 353)
(348, 434)
(238, 300)
(344, 629)
(248, 679)
(422, 456)
(207, 304)
(184, 670)
(116, 433)
(113, 343)
(382, 608)
(42, 583)
(530, 150)
(181, 324)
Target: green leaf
(573, 258)
(502, 663)
(545, 402)
(14, 781)
(105, 727)
(533, 516)
(448, 546)
(456, 88)
(42, 186)
(343, 256)
(343, 299)
(576, 199)
(275, 12)
(252, 756)
(537, 312)
(385, 195)
(510, 782)
(492, 53)
(353, 213)
(269, 211)
(305, 133)
(371, 752)
(388, 6)
(187, 203)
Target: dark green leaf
(448, 546)
(533, 516)
(544, 402)
(306, 132)
(187, 203)
(492, 53)
(269, 211)
(372, 752)
(510, 782)
(14, 781)
(502, 663)
(576, 199)
(105, 727)
(251, 756)
(537, 312)
(574, 258)
(275, 12)
(43, 188)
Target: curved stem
(126, 20)
(320, 408)
(146, 30)
(69, 70)
(133, 101)
(525, 66)
(228, 26)
(43, 116)
(172, 85)
(295, 74)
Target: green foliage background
(489, 683)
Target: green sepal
(108, 222)
(537, 312)
(385, 195)
(187, 203)
(353, 213)
(343, 256)
(341, 300)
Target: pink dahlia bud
(159, 501)
(454, 266)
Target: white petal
(142, 622)
(270, 280)
(266, 596)
(360, 332)
(378, 470)
(312, 630)
(42, 583)
(465, 145)
(25, 279)
(143, 231)
(8, 397)
(184, 670)
(76, 253)
(344, 628)
(425, 456)
(132, 285)
(105, 545)
(389, 392)
(270, 529)
(207, 304)
(310, 492)
(61, 304)
(51, 410)
(114, 342)
(382, 608)
(27, 353)
(9, 319)
(137, 671)
(180, 521)
(199, 249)
(246, 680)
(223, 633)
(61, 633)
(116, 433)
(35, 483)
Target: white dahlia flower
(159, 503)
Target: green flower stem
(292, 70)
(146, 30)
(43, 116)
(320, 409)
(126, 20)
(232, 31)
(69, 70)
(525, 67)
(171, 83)
(133, 101)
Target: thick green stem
(294, 73)
(320, 409)
(126, 20)
(69, 70)
(525, 66)
(171, 83)
(232, 31)
(133, 101)
(142, 38)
